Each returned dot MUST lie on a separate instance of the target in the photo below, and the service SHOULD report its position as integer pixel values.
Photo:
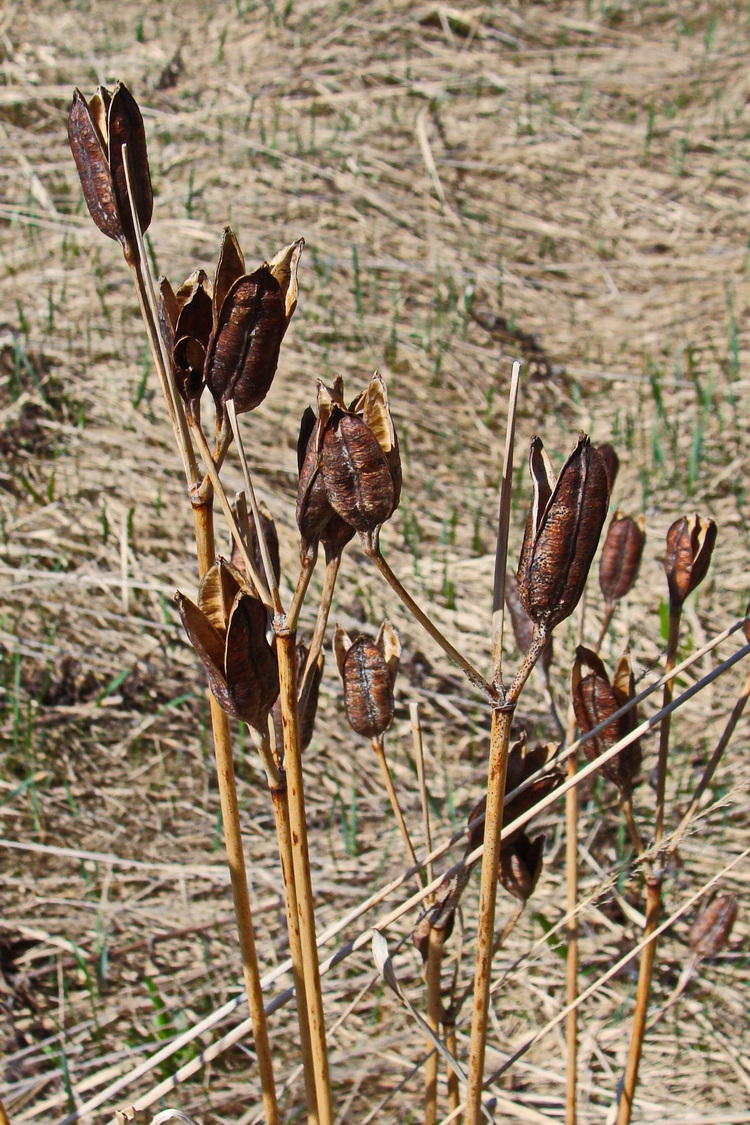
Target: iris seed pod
(562, 532)
(521, 865)
(522, 763)
(227, 628)
(250, 323)
(316, 519)
(611, 463)
(621, 556)
(523, 626)
(367, 670)
(97, 131)
(690, 544)
(596, 699)
(710, 931)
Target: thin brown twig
(378, 745)
(503, 525)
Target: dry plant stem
(287, 656)
(571, 964)
(433, 1014)
(416, 735)
(675, 615)
(292, 618)
(499, 743)
(503, 522)
(454, 1094)
(645, 975)
(321, 624)
(713, 762)
(378, 745)
(608, 615)
(283, 837)
(626, 804)
(473, 676)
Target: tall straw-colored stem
(433, 1014)
(378, 745)
(571, 963)
(287, 656)
(499, 743)
(675, 616)
(643, 995)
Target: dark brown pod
(562, 532)
(368, 688)
(356, 474)
(621, 556)
(229, 269)
(690, 544)
(522, 763)
(125, 127)
(89, 148)
(441, 914)
(611, 463)
(523, 626)
(710, 931)
(596, 699)
(521, 865)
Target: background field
(561, 182)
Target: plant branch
(503, 523)
(378, 745)
(675, 615)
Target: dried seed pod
(562, 532)
(441, 914)
(522, 763)
(316, 519)
(272, 540)
(596, 699)
(368, 687)
(228, 631)
(523, 626)
(611, 463)
(97, 131)
(243, 350)
(710, 931)
(521, 865)
(621, 556)
(690, 544)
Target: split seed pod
(316, 519)
(97, 131)
(521, 865)
(611, 463)
(368, 671)
(710, 931)
(621, 557)
(227, 628)
(690, 544)
(185, 321)
(562, 532)
(523, 626)
(522, 763)
(596, 699)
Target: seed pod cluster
(227, 336)
(368, 672)
(690, 544)
(97, 132)
(710, 931)
(596, 699)
(562, 532)
(350, 467)
(621, 557)
(227, 628)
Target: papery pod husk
(555, 563)
(168, 311)
(690, 544)
(284, 266)
(229, 268)
(125, 126)
(314, 510)
(595, 699)
(306, 717)
(243, 351)
(437, 917)
(621, 556)
(376, 414)
(251, 667)
(368, 691)
(611, 463)
(389, 643)
(209, 643)
(521, 865)
(710, 931)
(189, 358)
(89, 149)
(356, 474)
(272, 540)
(195, 317)
(542, 483)
(521, 623)
(522, 763)
(217, 591)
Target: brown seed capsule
(316, 519)
(595, 700)
(611, 463)
(441, 914)
(368, 677)
(243, 350)
(710, 931)
(97, 131)
(690, 544)
(562, 532)
(228, 631)
(523, 626)
(522, 763)
(621, 556)
(521, 865)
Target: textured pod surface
(595, 700)
(368, 691)
(690, 544)
(244, 348)
(710, 931)
(356, 473)
(251, 669)
(621, 557)
(313, 507)
(89, 152)
(555, 560)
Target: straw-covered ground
(565, 183)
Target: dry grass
(578, 169)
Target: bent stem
(373, 552)
(378, 745)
